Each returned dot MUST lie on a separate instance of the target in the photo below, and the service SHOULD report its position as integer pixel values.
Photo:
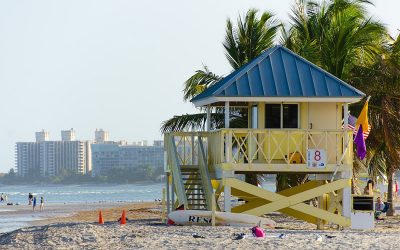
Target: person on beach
(380, 207)
(34, 204)
(41, 203)
(1, 197)
(366, 189)
(30, 197)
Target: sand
(144, 230)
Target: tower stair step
(191, 179)
(192, 183)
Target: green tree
(11, 173)
(252, 35)
(382, 82)
(338, 36)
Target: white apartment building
(101, 136)
(27, 158)
(49, 157)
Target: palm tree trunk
(285, 181)
(391, 211)
(251, 179)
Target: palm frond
(197, 122)
(250, 38)
(198, 82)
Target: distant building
(49, 157)
(109, 155)
(42, 136)
(68, 135)
(159, 143)
(27, 158)
(100, 136)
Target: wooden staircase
(194, 189)
(192, 183)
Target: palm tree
(253, 35)
(382, 80)
(335, 35)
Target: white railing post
(213, 209)
(228, 139)
(208, 118)
(167, 189)
(269, 147)
(288, 147)
(172, 193)
(227, 198)
(228, 146)
(345, 127)
(193, 149)
(163, 217)
(226, 114)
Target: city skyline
(47, 157)
(118, 64)
(45, 135)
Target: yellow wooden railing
(268, 146)
(276, 145)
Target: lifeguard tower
(295, 113)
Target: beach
(65, 200)
(144, 229)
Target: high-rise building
(68, 135)
(49, 158)
(110, 154)
(27, 158)
(100, 136)
(42, 136)
(158, 143)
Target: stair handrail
(176, 172)
(205, 175)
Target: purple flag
(359, 141)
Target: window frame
(281, 114)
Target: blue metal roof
(278, 72)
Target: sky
(118, 65)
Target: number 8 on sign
(317, 155)
(316, 158)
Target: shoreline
(147, 182)
(144, 229)
(111, 213)
(21, 216)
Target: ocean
(73, 194)
(83, 193)
(68, 194)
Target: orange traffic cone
(101, 221)
(123, 218)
